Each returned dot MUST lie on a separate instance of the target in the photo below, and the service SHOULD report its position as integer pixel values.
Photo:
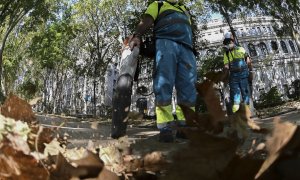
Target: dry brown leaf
(18, 143)
(241, 168)
(204, 121)
(63, 169)
(215, 76)
(9, 166)
(212, 101)
(239, 125)
(44, 137)
(53, 148)
(282, 134)
(107, 175)
(132, 164)
(18, 109)
(205, 158)
(94, 125)
(240, 121)
(20, 166)
(111, 155)
(90, 164)
(213, 120)
(154, 161)
(260, 147)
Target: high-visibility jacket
(237, 65)
(171, 22)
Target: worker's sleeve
(225, 60)
(186, 12)
(152, 10)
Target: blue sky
(216, 16)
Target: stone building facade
(276, 59)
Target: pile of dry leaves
(29, 151)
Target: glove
(134, 41)
(225, 76)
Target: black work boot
(166, 135)
(180, 134)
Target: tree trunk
(94, 99)
(74, 96)
(84, 95)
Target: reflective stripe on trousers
(164, 116)
(239, 92)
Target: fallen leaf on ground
(282, 134)
(18, 109)
(107, 175)
(212, 101)
(18, 165)
(94, 125)
(154, 161)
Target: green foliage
(101, 23)
(18, 14)
(50, 46)
(11, 63)
(293, 92)
(269, 99)
(2, 97)
(28, 89)
(213, 61)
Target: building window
(274, 46)
(253, 31)
(265, 29)
(109, 72)
(258, 30)
(238, 33)
(292, 46)
(263, 48)
(252, 50)
(283, 46)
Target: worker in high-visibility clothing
(238, 65)
(175, 63)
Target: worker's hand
(134, 41)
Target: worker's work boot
(166, 135)
(180, 134)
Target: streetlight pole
(227, 18)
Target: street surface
(80, 131)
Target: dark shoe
(166, 135)
(180, 134)
(117, 135)
(117, 132)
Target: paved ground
(293, 116)
(80, 131)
